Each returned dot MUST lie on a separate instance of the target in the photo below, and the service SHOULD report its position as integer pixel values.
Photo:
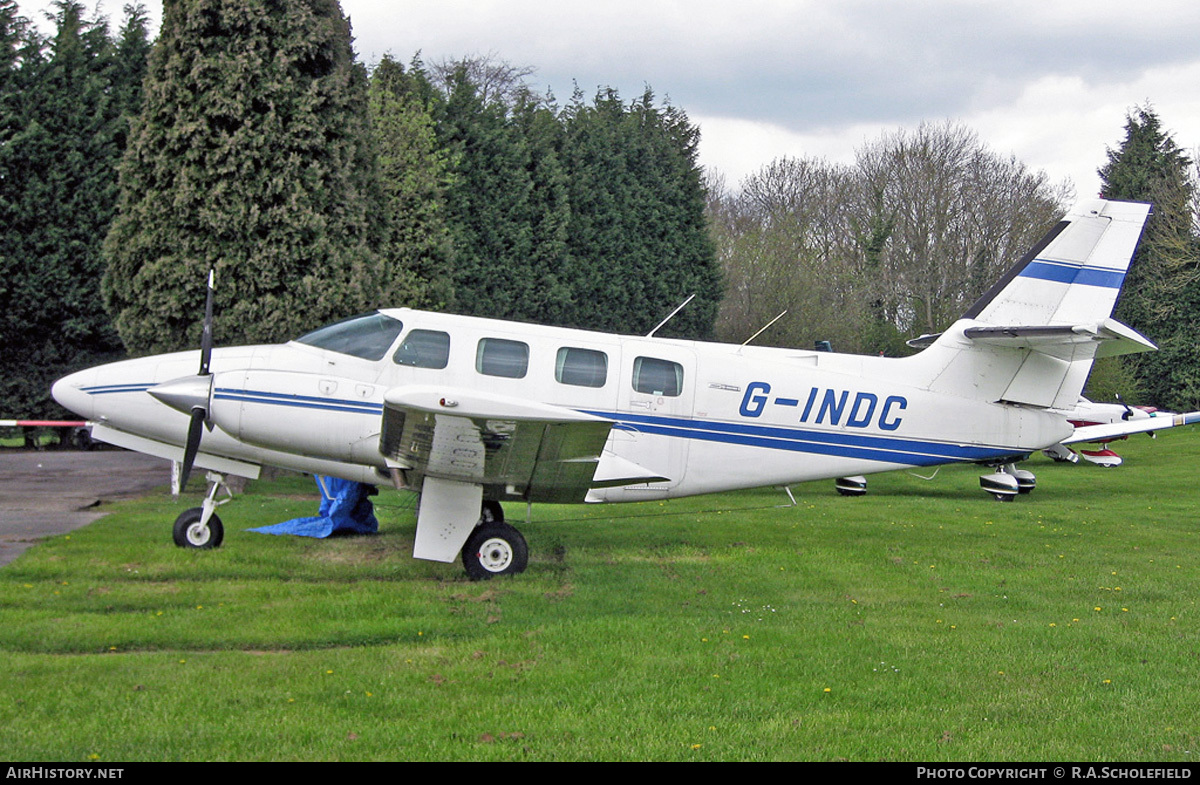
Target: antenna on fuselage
(670, 316)
(764, 327)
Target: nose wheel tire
(190, 533)
(494, 549)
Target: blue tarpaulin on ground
(345, 508)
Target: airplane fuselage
(706, 417)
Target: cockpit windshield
(368, 336)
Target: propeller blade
(206, 337)
(195, 431)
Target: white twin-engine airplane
(470, 412)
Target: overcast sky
(1049, 81)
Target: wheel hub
(198, 534)
(495, 555)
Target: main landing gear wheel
(494, 549)
(190, 533)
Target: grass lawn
(923, 622)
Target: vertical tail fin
(1032, 338)
(1073, 275)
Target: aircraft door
(655, 400)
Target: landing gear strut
(199, 527)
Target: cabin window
(581, 367)
(499, 357)
(657, 377)
(367, 337)
(424, 349)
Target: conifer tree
(638, 241)
(59, 188)
(505, 204)
(413, 178)
(1161, 294)
(252, 154)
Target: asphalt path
(48, 492)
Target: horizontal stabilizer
(1061, 341)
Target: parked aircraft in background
(1093, 423)
(471, 412)
(1102, 423)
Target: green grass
(921, 622)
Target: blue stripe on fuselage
(107, 389)
(843, 445)
(299, 401)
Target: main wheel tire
(188, 532)
(494, 549)
(491, 512)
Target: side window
(424, 349)
(581, 367)
(657, 377)
(498, 357)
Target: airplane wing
(1115, 430)
(536, 451)
(455, 445)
